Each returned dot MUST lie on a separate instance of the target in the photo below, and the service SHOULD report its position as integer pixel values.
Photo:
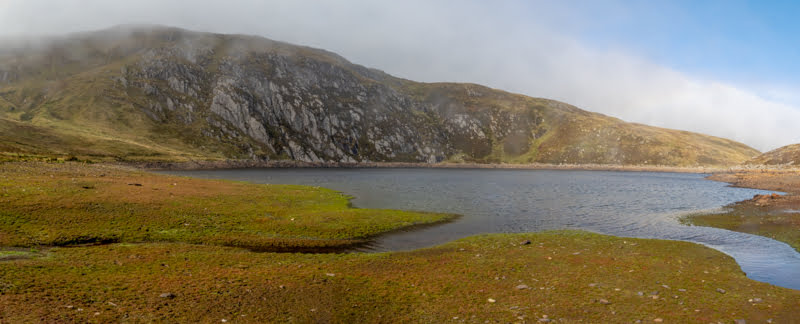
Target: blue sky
(724, 68)
(741, 41)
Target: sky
(725, 68)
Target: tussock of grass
(74, 203)
(566, 275)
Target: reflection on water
(632, 204)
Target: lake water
(629, 204)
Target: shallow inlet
(629, 204)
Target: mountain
(140, 93)
(787, 155)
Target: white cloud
(514, 46)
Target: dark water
(630, 204)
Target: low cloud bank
(514, 46)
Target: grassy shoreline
(567, 276)
(557, 276)
(235, 164)
(52, 204)
(776, 217)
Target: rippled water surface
(631, 204)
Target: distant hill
(144, 93)
(787, 155)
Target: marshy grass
(62, 204)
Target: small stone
(282, 287)
(544, 320)
(604, 301)
(521, 287)
(491, 300)
(167, 295)
(223, 320)
(658, 320)
(756, 300)
(720, 290)
(665, 286)
(682, 290)
(330, 274)
(525, 242)
(592, 285)
(740, 321)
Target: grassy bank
(184, 252)
(565, 276)
(776, 217)
(46, 204)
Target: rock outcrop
(231, 96)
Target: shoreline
(772, 216)
(502, 277)
(244, 164)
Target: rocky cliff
(157, 93)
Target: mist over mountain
(139, 93)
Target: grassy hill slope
(789, 154)
(166, 94)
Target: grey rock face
(312, 107)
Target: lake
(629, 204)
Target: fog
(517, 46)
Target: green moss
(778, 224)
(565, 274)
(73, 203)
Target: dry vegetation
(786, 155)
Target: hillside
(165, 94)
(789, 155)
